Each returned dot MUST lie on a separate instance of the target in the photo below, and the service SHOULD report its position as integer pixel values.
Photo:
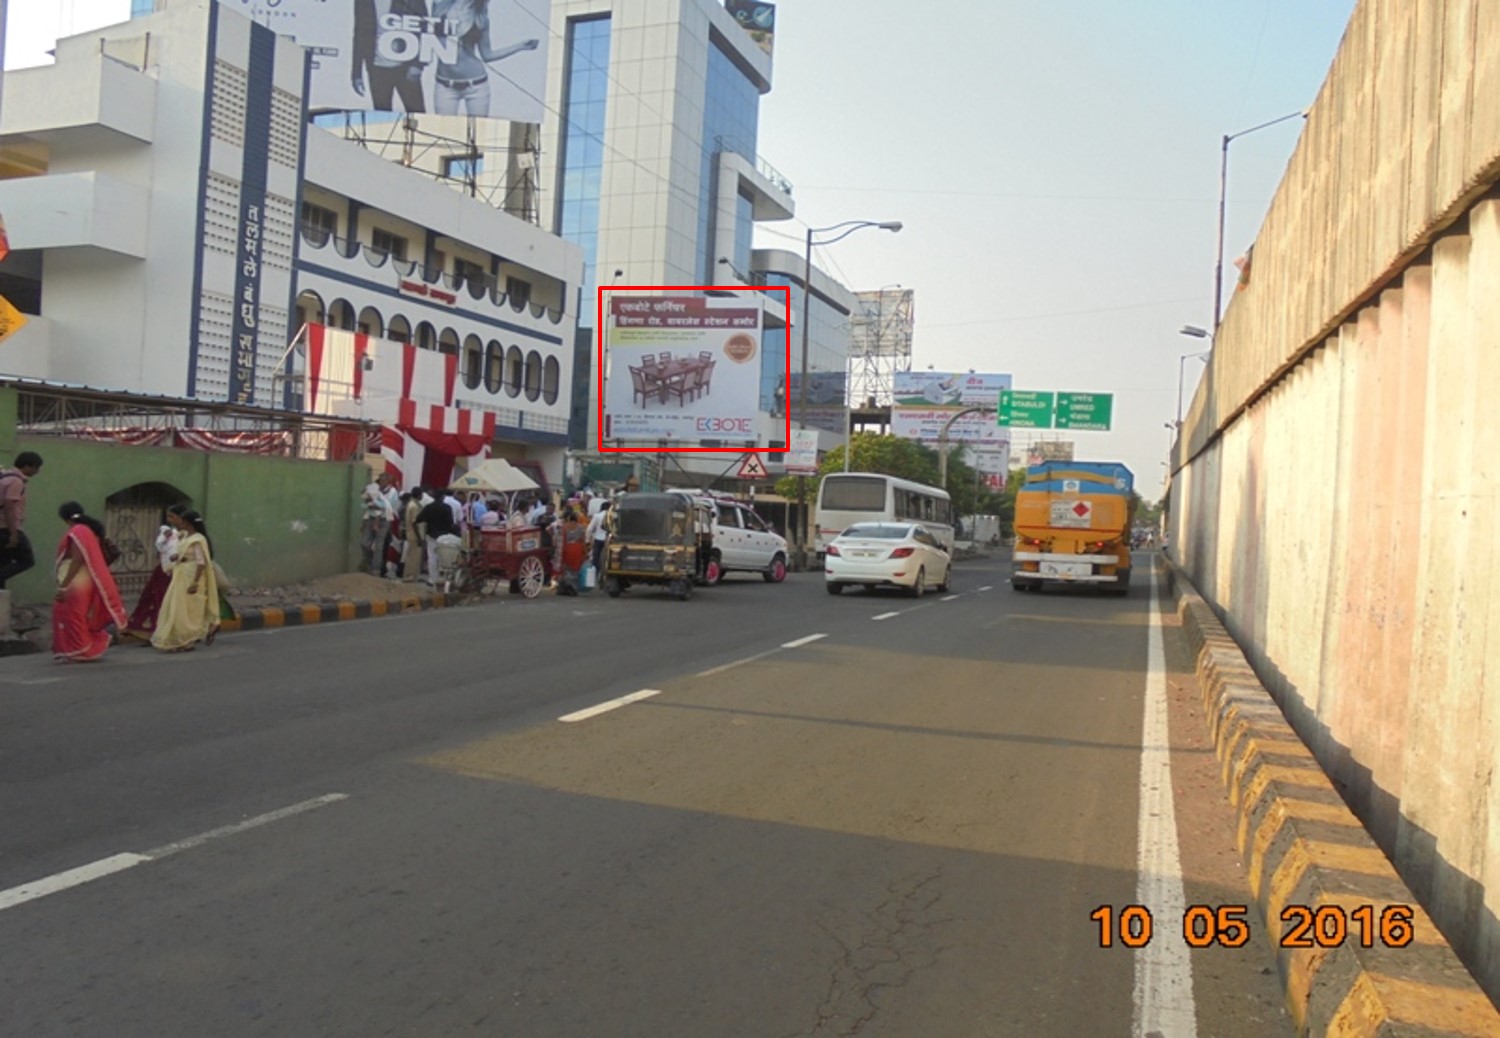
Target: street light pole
(1223, 185)
(845, 229)
(1195, 332)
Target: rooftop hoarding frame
(455, 58)
(708, 331)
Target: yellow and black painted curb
(332, 612)
(1357, 955)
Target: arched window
(309, 308)
(494, 367)
(448, 342)
(399, 330)
(551, 374)
(515, 371)
(341, 315)
(426, 336)
(370, 322)
(533, 375)
(473, 362)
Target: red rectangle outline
(599, 368)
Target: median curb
(1309, 858)
(262, 617)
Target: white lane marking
(72, 878)
(14, 680)
(721, 668)
(1163, 993)
(613, 704)
(987, 587)
(886, 616)
(947, 598)
(169, 849)
(803, 641)
(61, 881)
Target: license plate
(862, 554)
(1066, 569)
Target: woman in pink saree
(87, 599)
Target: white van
(742, 540)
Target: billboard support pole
(943, 442)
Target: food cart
(516, 556)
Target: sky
(1055, 166)
(1056, 169)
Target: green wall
(273, 520)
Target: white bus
(846, 498)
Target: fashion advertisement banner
(482, 58)
(923, 401)
(682, 368)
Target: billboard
(882, 326)
(758, 19)
(923, 401)
(682, 368)
(445, 57)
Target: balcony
(76, 210)
(102, 98)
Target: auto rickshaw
(664, 539)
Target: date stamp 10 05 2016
(1228, 926)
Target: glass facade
(587, 78)
(731, 122)
(141, 8)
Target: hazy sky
(1055, 165)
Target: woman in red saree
(87, 599)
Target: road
(815, 816)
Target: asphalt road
(900, 827)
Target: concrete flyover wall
(1336, 495)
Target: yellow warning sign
(11, 319)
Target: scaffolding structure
(459, 160)
(881, 347)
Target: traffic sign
(1085, 411)
(753, 468)
(11, 319)
(1021, 409)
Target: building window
(517, 291)
(731, 119)
(466, 273)
(494, 367)
(551, 378)
(515, 373)
(533, 375)
(318, 224)
(463, 167)
(388, 244)
(586, 83)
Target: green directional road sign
(1085, 411)
(1021, 409)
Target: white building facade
(175, 221)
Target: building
(175, 222)
(646, 158)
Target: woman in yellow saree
(190, 608)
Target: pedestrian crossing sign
(753, 468)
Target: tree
(892, 455)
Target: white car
(743, 542)
(879, 554)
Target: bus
(846, 498)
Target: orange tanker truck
(1073, 526)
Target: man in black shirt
(435, 520)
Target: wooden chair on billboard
(706, 377)
(639, 386)
(666, 357)
(685, 386)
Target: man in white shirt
(380, 502)
(538, 509)
(598, 534)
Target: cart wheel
(532, 576)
